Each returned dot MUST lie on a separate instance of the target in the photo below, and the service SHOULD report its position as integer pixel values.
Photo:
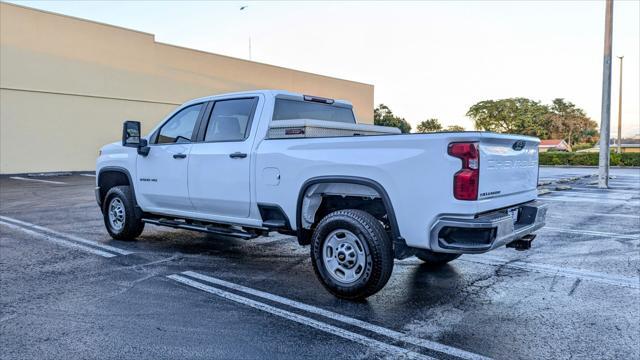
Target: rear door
(162, 174)
(220, 162)
(508, 168)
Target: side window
(179, 128)
(230, 120)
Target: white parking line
(594, 233)
(89, 175)
(67, 236)
(619, 215)
(58, 240)
(609, 195)
(431, 345)
(334, 330)
(601, 191)
(38, 180)
(591, 200)
(588, 215)
(618, 280)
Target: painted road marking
(594, 233)
(610, 279)
(601, 195)
(89, 175)
(601, 191)
(38, 180)
(591, 200)
(67, 236)
(431, 345)
(59, 241)
(619, 215)
(624, 216)
(316, 324)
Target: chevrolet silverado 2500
(250, 163)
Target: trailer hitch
(523, 243)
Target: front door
(219, 166)
(162, 174)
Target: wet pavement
(69, 291)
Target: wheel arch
(304, 236)
(111, 176)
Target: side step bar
(210, 229)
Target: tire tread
(133, 225)
(379, 246)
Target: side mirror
(131, 134)
(143, 148)
(131, 137)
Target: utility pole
(605, 115)
(246, 7)
(620, 108)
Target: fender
(120, 170)
(399, 242)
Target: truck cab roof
(272, 93)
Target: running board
(210, 229)
(274, 224)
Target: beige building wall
(67, 84)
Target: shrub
(588, 159)
(583, 146)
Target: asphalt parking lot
(68, 291)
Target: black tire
(375, 262)
(132, 220)
(435, 259)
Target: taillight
(465, 181)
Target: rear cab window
(230, 120)
(286, 109)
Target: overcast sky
(426, 59)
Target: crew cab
(250, 163)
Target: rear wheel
(120, 217)
(434, 258)
(351, 254)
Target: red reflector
(465, 181)
(465, 185)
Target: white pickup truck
(250, 163)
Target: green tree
(429, 125)
(383, 116)
(514, 115)
(567, 121)
(455, 128)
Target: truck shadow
(413, 282)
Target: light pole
(620, 108)
(242, 8)
(605, 116)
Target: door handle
(238, 155)
(179, 156)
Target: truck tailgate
(508, 168)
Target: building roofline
(260, 63)
(153, 36)
(77, 18)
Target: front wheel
(351, 254)
(120, 217)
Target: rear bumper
(487, 231)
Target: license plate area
(514, 213)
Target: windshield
(291, 110)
